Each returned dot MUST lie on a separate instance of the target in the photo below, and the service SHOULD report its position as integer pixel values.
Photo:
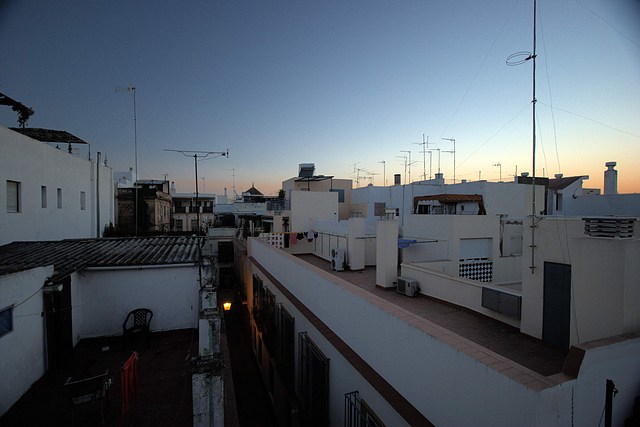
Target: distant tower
(610, 179)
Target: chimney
(610, 179)
(173, 187)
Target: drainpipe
(98, 195)
(608, 405)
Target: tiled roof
(68, 256)
(562, 183)
(254, 191)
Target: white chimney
(610, 179)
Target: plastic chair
(137, 323)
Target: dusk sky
(342, 84)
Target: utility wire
(592, 120)
(496, 133)
(553, 117)
(608, 23)
(478, 70)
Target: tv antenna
(132, 89)
(408, 164)
(519, 58)
(500, 166)
(425, 145)
(454, 156)
(199, 156)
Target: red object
(129, 378)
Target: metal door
(557, 304)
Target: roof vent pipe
(610, 179)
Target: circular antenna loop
(518, 58)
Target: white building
(567, 197)
(331, 344)
(187, 210)
(97, 283)
(347, 351)
(49, 193)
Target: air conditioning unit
(409, 287)
(337, 259)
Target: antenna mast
(533, 143)
(135, 149)
(454, 156)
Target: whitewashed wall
(604, 279)
(102, 298)
(441, 235)
(456, 290)
(447, 386)
(35, 164)
(309, 206)
(22, 351)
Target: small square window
(6, 321)
(83, 201)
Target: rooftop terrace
(164, 384)
(499, 345)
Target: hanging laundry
(294, 238)
(310, 236)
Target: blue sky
(335, 83)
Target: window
(313, 386)
(259, 306)
(178, 224)
(358, 414)
(270, 332)
(194, 225)
(286, 346)
(43, 196)
(340, 192)
(59, 198)
(13, 196)
(83, 201)
(6, 321)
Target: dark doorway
(225, 252)
(226, 278)
(58, 321)
(557, 304)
